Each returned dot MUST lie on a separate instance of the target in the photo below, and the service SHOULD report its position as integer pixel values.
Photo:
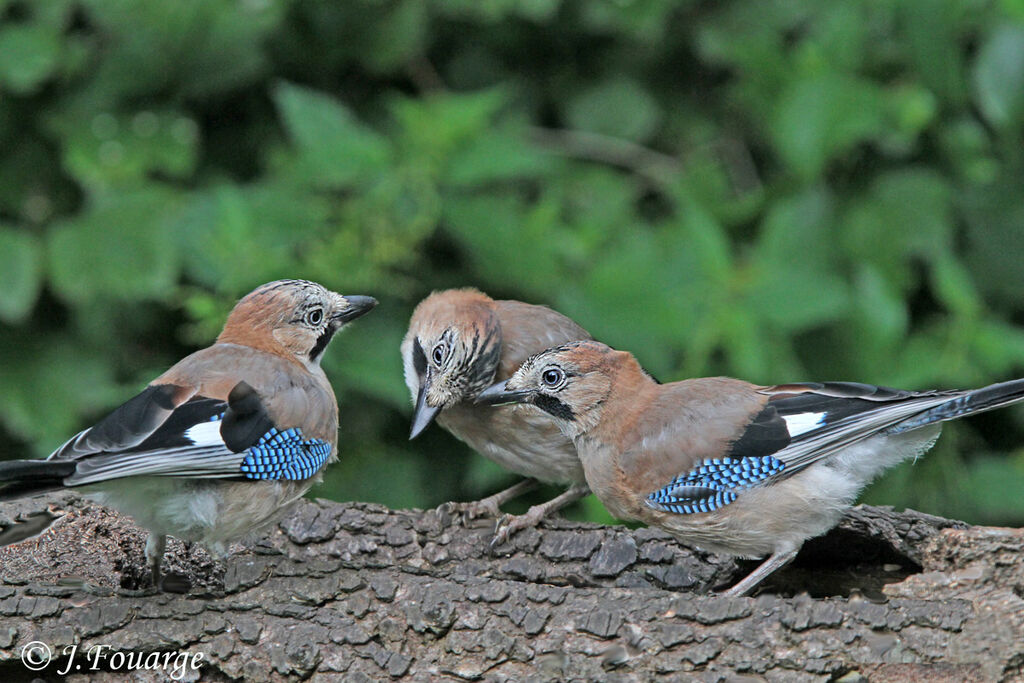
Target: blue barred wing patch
(714, 483)
(285, 455)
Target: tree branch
(357, 591)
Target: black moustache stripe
(419, 359)
(321, 343)
(551, 405)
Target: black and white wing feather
(802, 424)
(169, 431)
(813, 421)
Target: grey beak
(423, 415)
(358, 306)
(499, 394)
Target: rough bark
(359, 592)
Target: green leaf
(954, 286)
(933, 32)
(795, 285)
(707, 240)
(905, 213)
(21, 274)
(492, 226)
(497, 155)
(646, 22)
(823, 117)
(911, 110)
(116, 150)
(999, 346)
(993, 486)
(644, 291)
(188, 48)
(398, 36)
(797, 228)
(236, 237)
(999, 76)
(880, 309)
(29, 53)
(619, 107)
(334, 147)
(47, 390)
(798, 297)
(1014, 9)
(994, 249)
(379, 474)
(375, 369)
(433, 127)
(119, 248)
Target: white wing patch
(802, 422)
(206, 434)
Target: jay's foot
(509, 524)
(485, 507)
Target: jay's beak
(358, 306)
(423, 415)
(499, 395)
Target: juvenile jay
(213, 449)
(459, 342)
(725, 465)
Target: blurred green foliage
(776, 190)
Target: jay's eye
(315, 316)
(438, 353)
(552, 377)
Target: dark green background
(780, 191)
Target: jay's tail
(968, 403)
(20, 478)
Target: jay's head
(570, 382)
(451, 351)
(293, 318)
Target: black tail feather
(18, 470)
(969, 403)
(21, 478)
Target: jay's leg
(489, 506)
(509, 524)
(775, 561)
(155, 546)
(171, 583)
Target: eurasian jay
(213, 449)
(725, 465)
(459, 342)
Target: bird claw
(510, 524)
(467, 512)
(502, 530)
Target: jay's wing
(169, 431)
(801, 424)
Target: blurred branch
(655, 167)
